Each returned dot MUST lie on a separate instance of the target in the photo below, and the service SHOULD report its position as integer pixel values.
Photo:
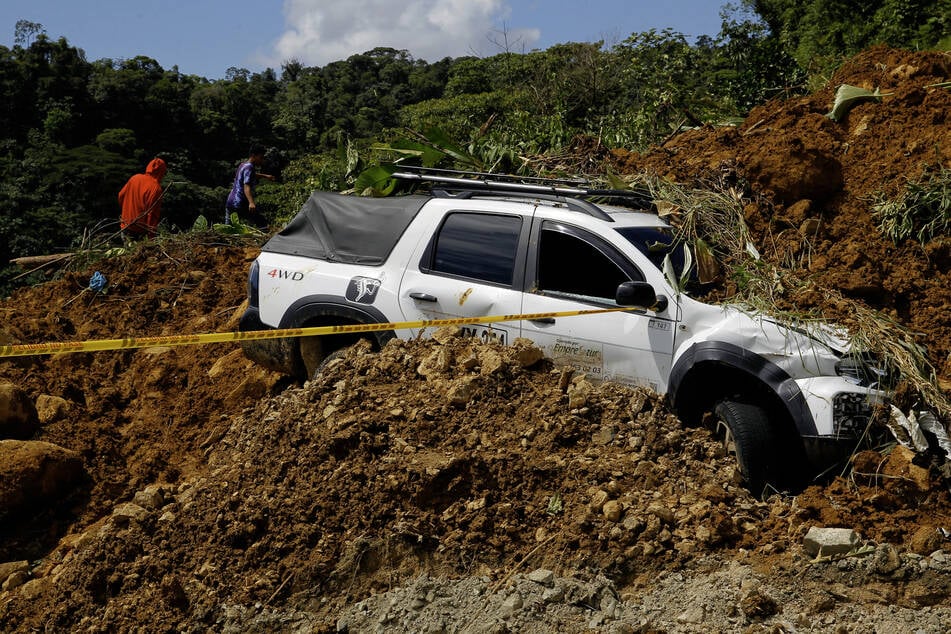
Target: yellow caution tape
(29, 349)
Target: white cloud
(318, 32)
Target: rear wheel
(747, 434)
(362, 345)
(327, 360)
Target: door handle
(543, 320)
(423, 297)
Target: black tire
(362, 343)
(746, 433)
(330, 358)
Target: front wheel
(747, 434)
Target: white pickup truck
(788, 402)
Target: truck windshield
(655, 243)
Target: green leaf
(846, 97)
(616, 182)
(670, 274)
(442, 141)
(429, 155)
(236, 228)
(376, 181)
(688, 264)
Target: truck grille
(851, 413)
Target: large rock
(18, 417)
(51, 408)
(823, 542)
(34, 473)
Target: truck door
(570, 268)
(472, 266)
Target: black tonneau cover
(350, 229)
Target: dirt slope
(389, 492)
(810, 167)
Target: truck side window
(568, 264)
(478, 245)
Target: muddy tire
(747, 434)
(361, 346)
(328, 359)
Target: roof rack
(572, 192)
(575, 204)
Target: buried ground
(433, 486)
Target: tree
(25, 31)
(819, 33)
(749, 64)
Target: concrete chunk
(829, 541)
(543, 577)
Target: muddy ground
(447, 486)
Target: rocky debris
(50, 409)
(905, 476)
(370, 489)
(476, 604)
(14, 574)
(757, 605)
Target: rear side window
(478, 246)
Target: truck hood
(801, 349)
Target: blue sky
(206, 37)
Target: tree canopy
(73, 130)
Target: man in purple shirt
(241, 197)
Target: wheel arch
(330, 310)
(710, 371)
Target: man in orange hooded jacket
(141, 200)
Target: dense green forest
(73, 130)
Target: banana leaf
(376, 181)
(441, 141)
(427, 155)
(846, 97)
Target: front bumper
(842, 412)
(839, 407)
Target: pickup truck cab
(788, 402)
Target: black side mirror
(641, 295)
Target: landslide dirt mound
(808, 167)
(451, 459)
(135, 416)
(221, 497)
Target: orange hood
(156, 168)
